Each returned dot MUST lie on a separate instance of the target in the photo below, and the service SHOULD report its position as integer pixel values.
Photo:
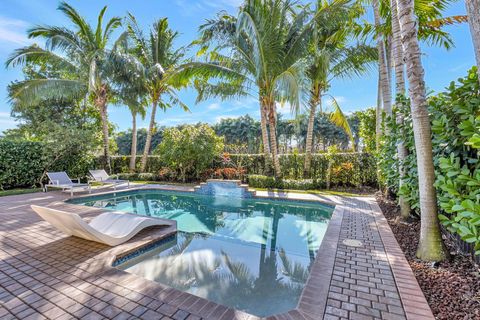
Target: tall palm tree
(157, 61)
(399, 67)
(382, 61)
(86, 58)
(260, 45)
(134, 98)
(331, 58)
(473, 9)
(430, 246)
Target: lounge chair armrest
(78, 180)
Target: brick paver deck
(46, 275)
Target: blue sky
(16, 16)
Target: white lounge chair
(103, 177)
(111, 228)
(61, 180)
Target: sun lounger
(61, 180)
(111, 228)
(103, 177)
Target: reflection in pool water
(248, 254)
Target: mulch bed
(452, 287)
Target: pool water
(249, 254)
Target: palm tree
(473, 9)
(134, 100)
(382, 61)
(331, 58)
(399, 67)
(430, 246)
(157, 62)
(265, 55)
(85, 58)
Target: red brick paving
(46, 275)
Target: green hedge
(120, 164)
(347, 169)
(22, 163)
(455, 119)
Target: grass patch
(12, 192)
(320, 192)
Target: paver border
(414, 302)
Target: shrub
(23, 163)
(190, 150)
(455, 120)
(259, 181)
(361, 169)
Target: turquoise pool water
(249, 254)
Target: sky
(16, 16)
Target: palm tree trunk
(430, 246)
(382, 64)
(473, 11)
(314, 101)
(101, 104)
(263, 124)
(272, 122)
(148, 142)
(402, 151)
(133, 151)
(378, 114)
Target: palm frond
(32, 92)
(36, 55)
(338, 118)
(85, 31)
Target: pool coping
(313, 299)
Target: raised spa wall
(225, 188)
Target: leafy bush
(352, 169)
(259, 181)
(455, 118)
(190, 150)
(23, 163)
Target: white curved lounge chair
(111, 228)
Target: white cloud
(6, 122)
(189, 7)
(13, 31)
(223, 117)
(213, 106)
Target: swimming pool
(253, 254)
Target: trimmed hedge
(22, 163)
(455, 120)
(347, 169)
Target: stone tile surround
(45, 275)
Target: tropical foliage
(82, 61)
(189, 151)
(455, 134)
